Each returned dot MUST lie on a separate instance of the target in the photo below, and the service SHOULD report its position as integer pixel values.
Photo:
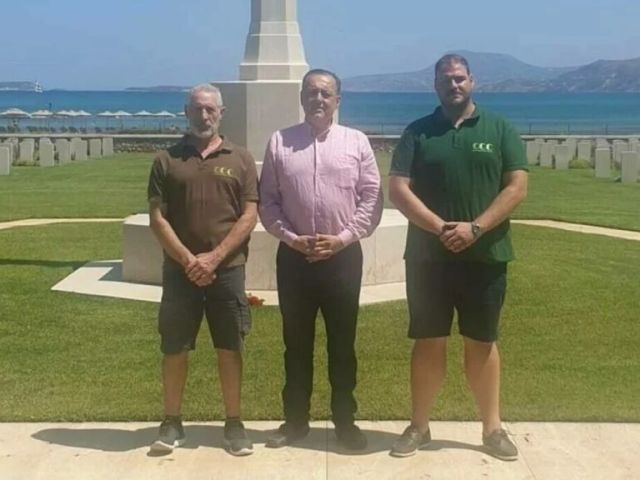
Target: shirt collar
(322, 134)
(187, 147)
(442, 118)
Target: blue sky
(84, 44)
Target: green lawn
(569, 329)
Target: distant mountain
(600, 76)
(158, 88)
(20, 86)
(487, 69)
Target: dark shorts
(183, 304)
(475, 290)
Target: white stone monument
(46, 154)
(584, 150)
(63, 148)
(27, 150)
(95, 148)
(5, 160)
(603, 162)
(267, 96)
(630, 167)
(107, 146)
(533, 152)
(562, 154)
(75, 145)
(546, 155)
(80, 152)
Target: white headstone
(107, 146)
(603, 162)
(584, 150)
(75, 145)
(63, 147)
(563, 156)
(619, 146)
(95, 148)
(630, 167)
(46, 154)
(81, 150)
(572, 144)
(546, 155)
(5, 160)
(533, 152)
(27, 150)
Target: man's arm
(514, 191)
(205, 264)
(166, 235)
(411, 206)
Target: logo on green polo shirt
(482, 147)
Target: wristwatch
(476, 230)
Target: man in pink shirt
(319, 195)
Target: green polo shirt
(457, 173)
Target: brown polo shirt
(204, 197)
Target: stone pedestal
(5, 160)
(95, 148)
(546, 155)
(563, 156)
(382, 254)
(107, 146)
(63, 147)
(630, 167)
(603, 162)
(533, 152)
(46, 154)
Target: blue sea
(381, 113)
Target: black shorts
(475, 290)
(183, 304)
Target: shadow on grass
(75, 264)
(211, 436)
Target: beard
(203, 133)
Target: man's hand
(457, 236)
(201, 270)
(326, 246)
(304, 244)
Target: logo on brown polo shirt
(224, 172)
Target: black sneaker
(499, 445)
(351, 437)
(236, 439)
(410, 441)
(286, 434)
(171, 435)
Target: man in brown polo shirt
(202, 207)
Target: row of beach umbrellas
(17, 113)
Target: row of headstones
(48, 153)
(624, 155)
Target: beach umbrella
(162, 115)
(121, 114)
(143, 113)
(107, 115)
(82, 113)
(14, 113)
(42, 114)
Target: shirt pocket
(344, 172)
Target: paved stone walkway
(105, 451)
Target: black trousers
(333, 287)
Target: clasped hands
(457, 236)
(201, 268)
(318, 247)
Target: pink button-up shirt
(329, 184)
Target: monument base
(382, 254)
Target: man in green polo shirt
(457, 175)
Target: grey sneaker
(410, 441)
(499, 445)
(236, 439)
(170, 436)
